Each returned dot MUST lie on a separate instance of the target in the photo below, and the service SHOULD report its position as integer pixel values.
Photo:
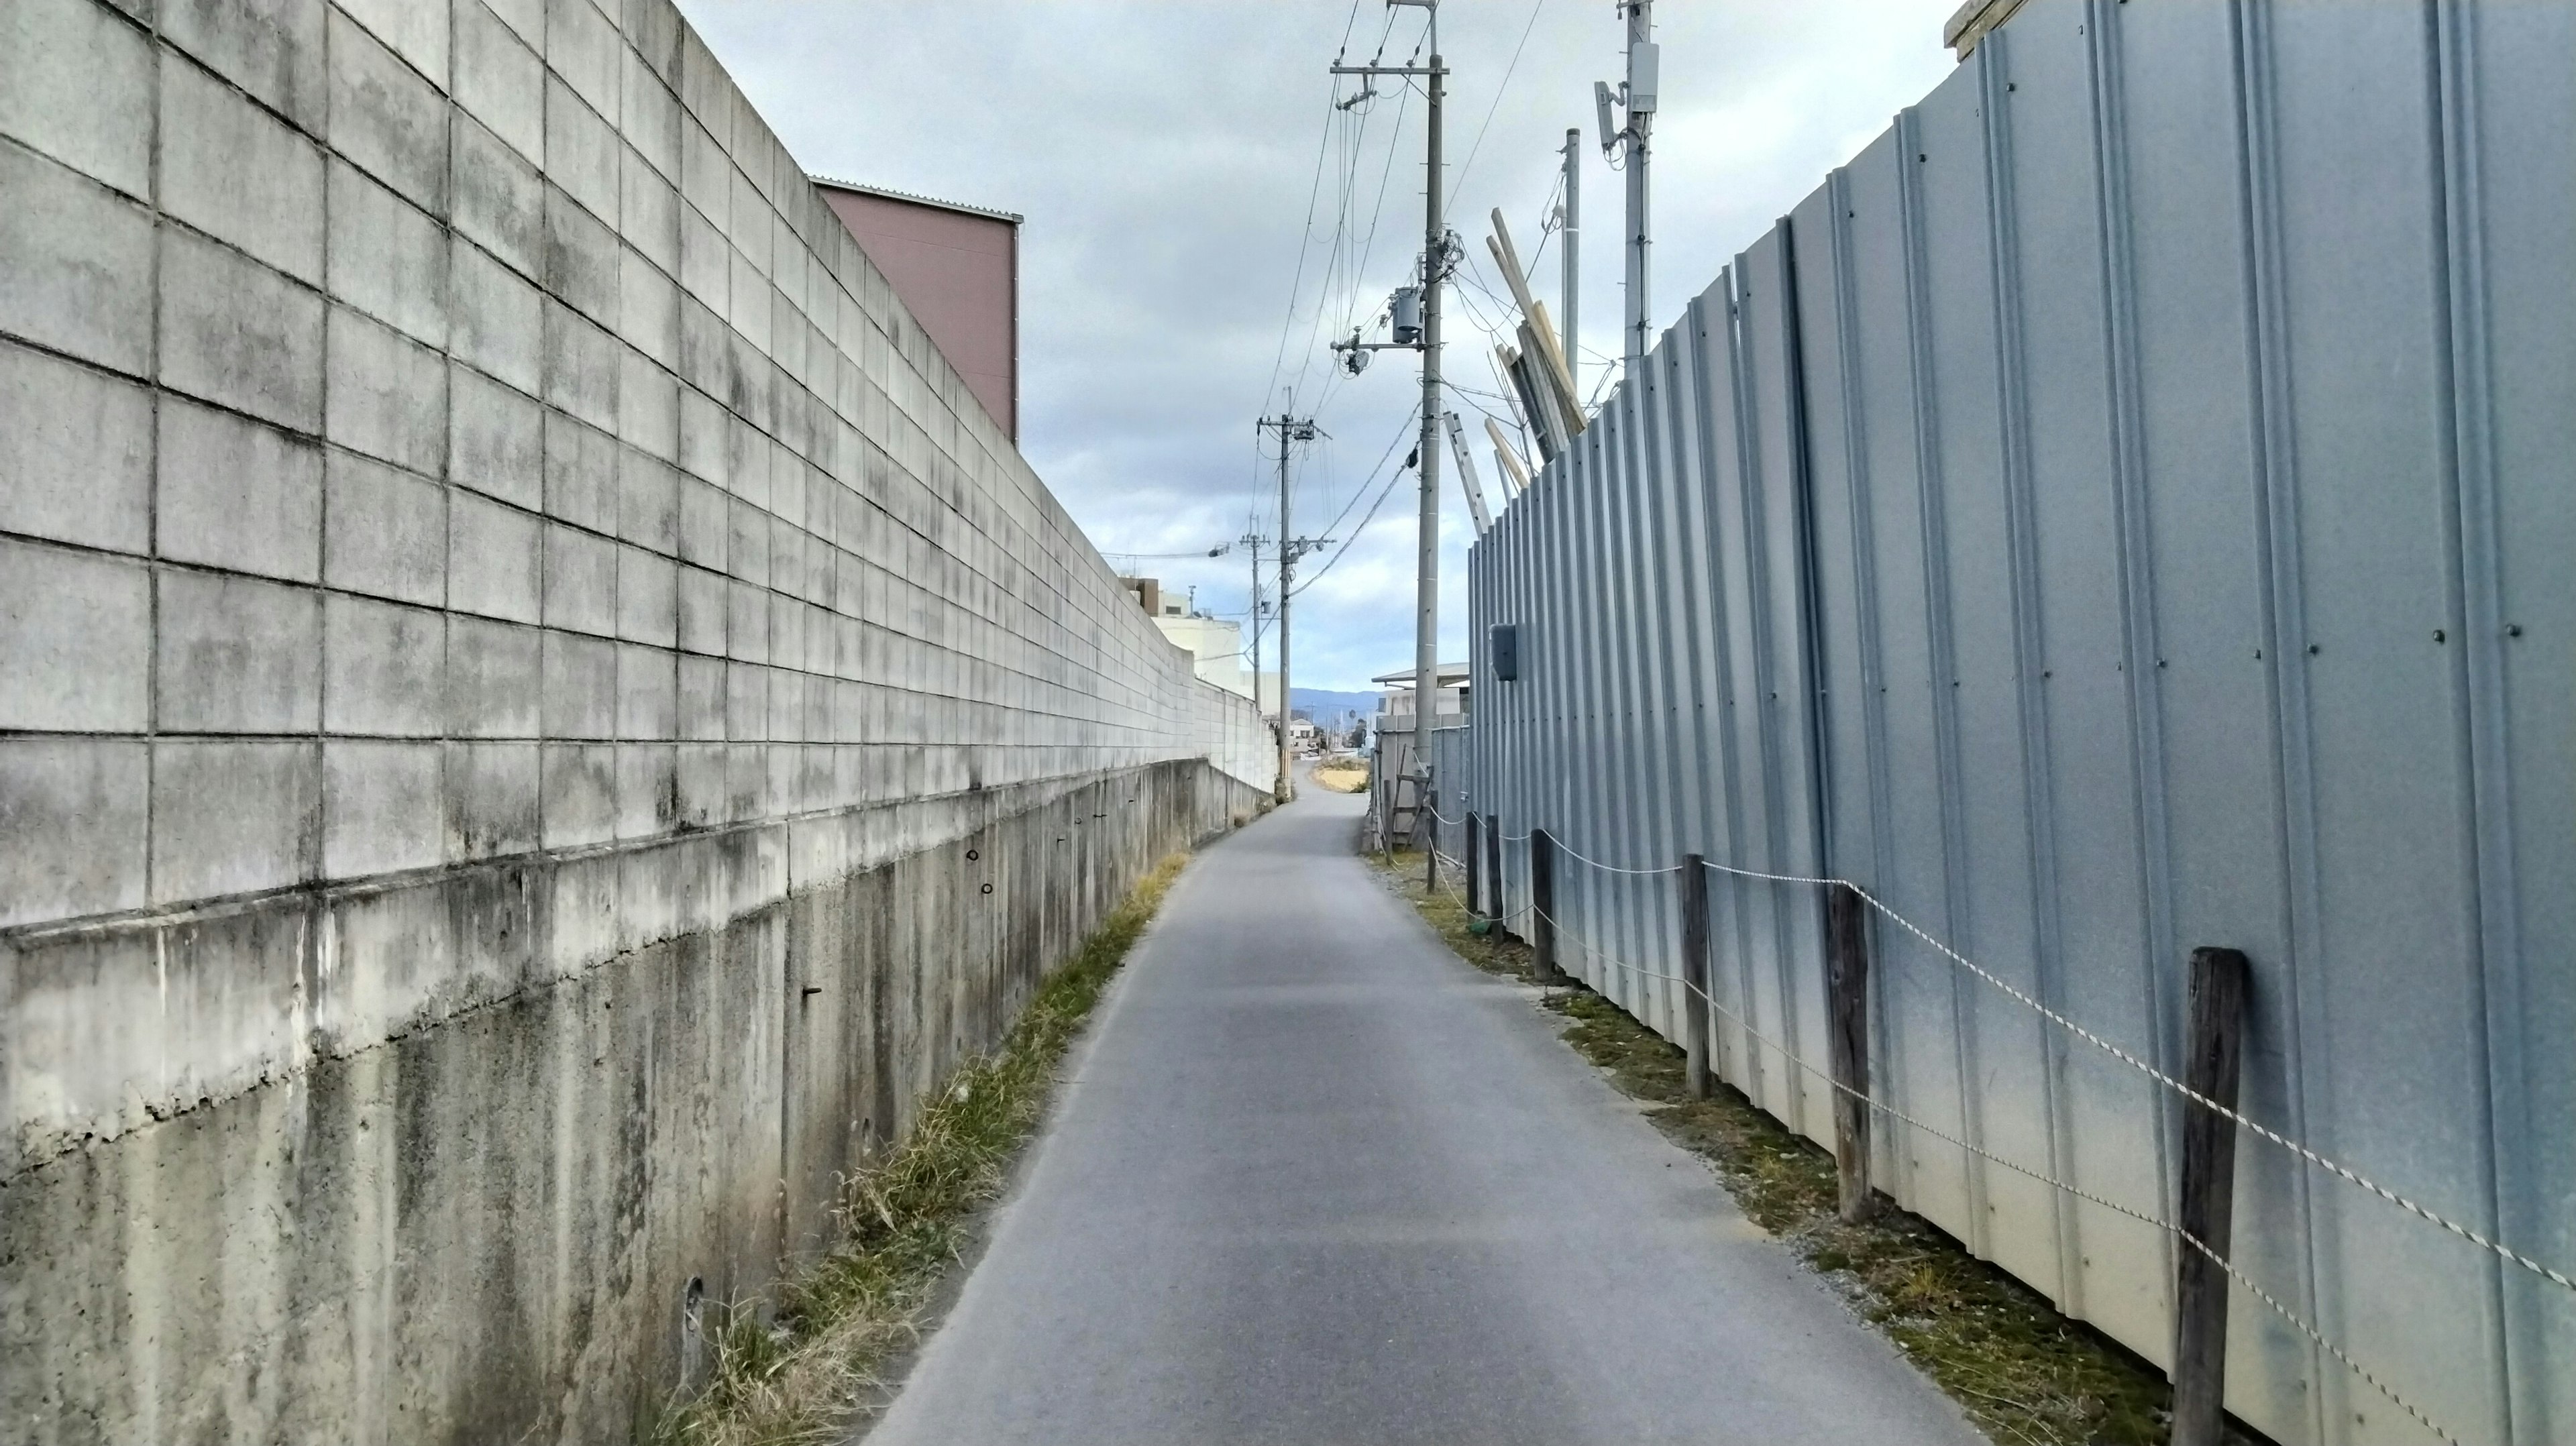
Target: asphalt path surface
(1314, 1181)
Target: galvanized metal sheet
(2126, 509)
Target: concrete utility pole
(1290, 429)
(1573, 228)
(1434, 270)
(1637, 95)
(1252, 617)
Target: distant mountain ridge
(1329, 709)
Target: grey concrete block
(648, 310)
(582, 265)
(706, 523)
(747, 224)
(649, 116)
(76, 84)
(75, 640)
(499, 198)
(706, 259)
(581, 150)
(786, 631)
(500, 81)
(702, 611)
(704, 427)
(388, 394)
(700, 795)
(746, 702)
(749, 299)
(238, 174)
(492, 800)
(495, 439)
(416, 30)
(706, 172)
(648, 404)
(384, 531)
(498, 320)
(648, 682)
(232, 816)
(580, 366)
(747, 794)
(75, 264)
(747, 622)
(581, 474)
(384, 668)
(747, 461)
(236, 494)
(648, 501)
(527, 18)
(647, 597)
(648, 789)
(388, 257)
(707, 359)
(383, 807)
(495, 559)
(493, 672)
(787, 269)
(584, 48)
(235, 332)
(648, 211)
(270, 48)
(384, 115)
(76, 450)
(786, 708)
(579, 681)
(701, 713)
(236, 655)
(72, 827)
(747, 550)
(654, 28)
(581, 581)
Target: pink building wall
(958, 270)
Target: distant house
(1217, 643)
(1395, 708)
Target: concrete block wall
(475, 531)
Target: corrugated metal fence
(2127, 508)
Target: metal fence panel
(2126, 509)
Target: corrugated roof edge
(1014, 217)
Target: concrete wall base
(527, 1112)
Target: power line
(1499, 89)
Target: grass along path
(907, 1220)
(2025, 1374)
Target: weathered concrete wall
(497, 603)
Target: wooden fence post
(1475, 875)
(1494, 869)
(1543, 907)
(1847, 1006)
(1426, 824)
(1695, 973)
(2220, 982)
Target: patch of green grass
(2021, 1371)
(905, 1221)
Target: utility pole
(1637, 95)
(1252, 616)
(1573, 228)
(1290, 429)
(1436, 257)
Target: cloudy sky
(1168, 157)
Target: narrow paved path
(1316, 1182)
